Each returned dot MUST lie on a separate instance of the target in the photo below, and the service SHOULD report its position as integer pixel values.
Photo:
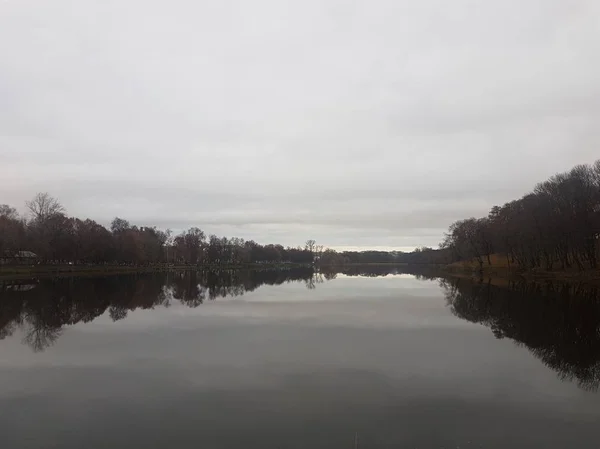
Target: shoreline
(25, 271)
(519, 273)
(8, 272)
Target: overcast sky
(359, 124)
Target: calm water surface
(296, 360)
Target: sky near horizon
(366, 124)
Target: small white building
(19, 258)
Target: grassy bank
(19, 271)
(499, 267)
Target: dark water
(295, 360)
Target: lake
(293, 359)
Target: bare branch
(44, 206)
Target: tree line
(57, 238)
(557, 225)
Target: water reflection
(420, 272)
(42, 308)
(558, 323)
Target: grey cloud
(379, 121)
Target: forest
(55, 237)
(555, 226)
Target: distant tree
(310, 245)
(119, 225)
(45, 232)
(8, 212)
(44, 206)
(94, 243)
(194, 240)
(12, 231)
(331, 258)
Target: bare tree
(310, 245)
(319, 251)
(44, 206)
(40, 335)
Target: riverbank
(20, 271)
(492, 271)
(460, 269)
(6, 270)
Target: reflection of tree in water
(39, 336)
(42, 312)
(185, 288)
(8, 330)
(559, 324)
(117, 313)
(312, 282)
(330, 275)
